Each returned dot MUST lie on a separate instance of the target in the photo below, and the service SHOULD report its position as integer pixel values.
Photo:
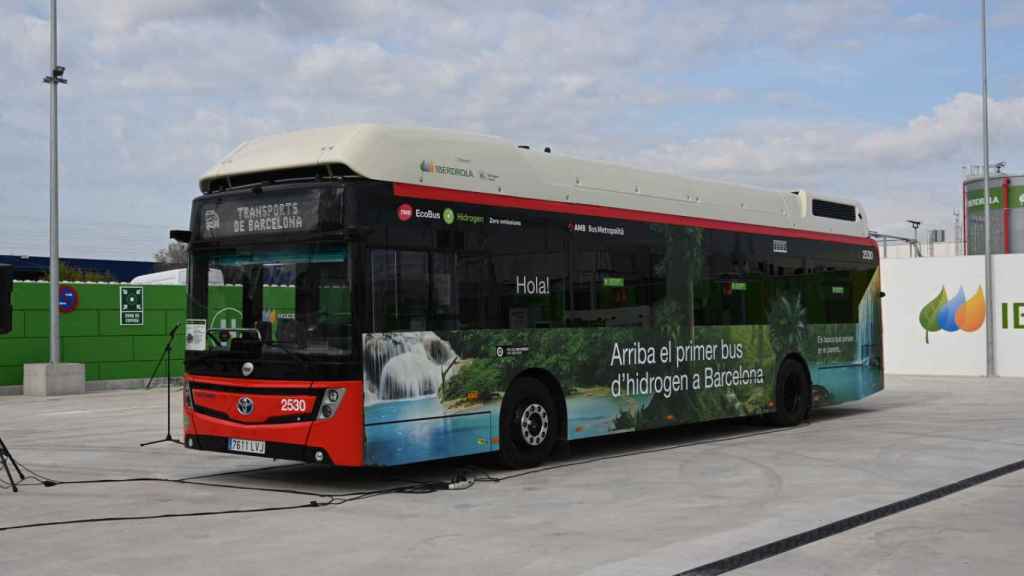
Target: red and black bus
(368, 295)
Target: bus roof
(487, 164)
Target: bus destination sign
(257, 214)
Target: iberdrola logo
(953, 315)
(435, 168)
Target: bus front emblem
(244, 406)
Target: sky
(872, 100)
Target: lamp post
(55, 79)
(915, 224)
(989, 344)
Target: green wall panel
(24, 351)
(96, 296)
(17, 327)
(152, 347)
(92, 334)
(99, 349)
(11, 375)
(79, 323)
(37, 324)
(31, 296)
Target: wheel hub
(533, 424)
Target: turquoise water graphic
(405, 431)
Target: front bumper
(338, 439)
(275, 450)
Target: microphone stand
(6, 455)
(166, 358)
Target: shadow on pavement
(588, 452)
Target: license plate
(247, 446)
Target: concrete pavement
(653, 503)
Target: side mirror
(6, 289)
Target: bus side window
(473, 290)
(530, 289)
(384, 289)
(841, 292)
(413, 286)
(444, 309)
(732, 289)
(399, 282)
(829, 292)
(730, 301)
(613, 288)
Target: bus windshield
(284, 301)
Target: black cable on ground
(461, 481)
(324, 500)
(311, 504)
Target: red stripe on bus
(486, 199)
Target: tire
(529, 426)
(792, 395)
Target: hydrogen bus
(371, 296)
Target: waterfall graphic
(404, 365)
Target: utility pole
(989, 336)
(55, 79)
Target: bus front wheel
(529, 424)
(792, 394)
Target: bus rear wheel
(530, 424)
(792, 394)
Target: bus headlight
(331, 402)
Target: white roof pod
(477, 163)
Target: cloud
(160, 90)
(881, 166)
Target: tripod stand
(166, 358)
(5, 456)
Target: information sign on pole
(131, 306)
(195, 335)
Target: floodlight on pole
(915, 224)
(989, 336)
(55, 79)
